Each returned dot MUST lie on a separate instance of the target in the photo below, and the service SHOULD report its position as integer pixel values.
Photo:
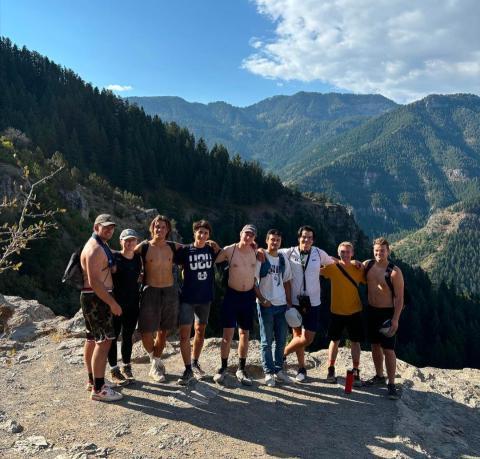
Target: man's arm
(94, 262)
(224, 255)
(288, 292)
(263, 301)
(398, 285)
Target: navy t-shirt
(198, 273)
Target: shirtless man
(159, 302)
(238, 306)
(98, 307)
(384, 303)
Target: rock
(74, 327)
(32, 445)
(121, 430)
(11, 426)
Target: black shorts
(238, 308)
(98, 318)
(353, 323)
(376, 317)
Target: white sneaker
(282, 376)
(243, 377)
(301, 375)
(270, 380)
(106, 394)
(219, 376)
(157, 370)
(89, 386)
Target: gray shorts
(158, 309)
(188, 311)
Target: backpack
(265, 266)
(73, 275)
(407, 299)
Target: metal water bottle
(349, 382)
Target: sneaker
(89, 385)
(106, 394)
(117, 377)
(301, 375)
(243, 377)
(331, 378)
(281, 376)
(219, 376)
(186, 378)
(127, 372)
(392, 392)
(270, 380)
(357, 382)
(376, 381)
(157, 371)
(197, 371)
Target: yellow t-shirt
(345, 299)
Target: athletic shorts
(353, 323)
(376, 317)
(197, 311)
(98, 318)
(238, 308)
(311, 319)
(158, 309)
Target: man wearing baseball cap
(99, 306)
(239, 303)
(126, 282)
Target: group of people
(135, 287)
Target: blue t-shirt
(198, 273)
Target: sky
(242, 51)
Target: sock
(241, 363)
(224, 363)
(356, 365)
(150, 354)
(332, 363)
(99, 382)
(188, 367)
(90, 378)
(195, 361)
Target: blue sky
(192, 49)
(241, 51)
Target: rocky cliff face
(46, 412)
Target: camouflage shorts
(98, 318)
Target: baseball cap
(250, 228)
(128, 233)
(104, 219)
(293, 318)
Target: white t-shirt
(271, 286)
(318, 257)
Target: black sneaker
(197, 371)
(117, 377)
(392, 392)
(357, 382)
(331, 378)
(127, 372)
(186, 378)
(376, 381)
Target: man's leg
(99, 362)
(266, 319)
(88, 349)
(377, 355)
(333, 352)
(226, 343)
(185, 348)
(243, 336)
(148, 343)
(280, 330)
(390, 364)
(160, 342)
(355, 350)
(198, 340)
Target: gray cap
(104, 219)
(251, 228)
(128, 234)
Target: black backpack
(73, 275)
(407, 299)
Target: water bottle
(349, 382)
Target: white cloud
(119, 87)
(403, 49)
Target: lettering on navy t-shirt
(198, 273)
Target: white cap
(293, 318)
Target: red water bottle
(349, 382)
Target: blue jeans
(272, 326)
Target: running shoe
(117, 377)
(270, 380)
(127, 372)
(89, 385)
(375, 381)
(186, 378)
(281, 376)
(357, 382)
(331, 378)
(157, 370)
(106, 394)
(392, 392)
(197, 371)
(219, 376)
(243, 377)
(301, 375)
